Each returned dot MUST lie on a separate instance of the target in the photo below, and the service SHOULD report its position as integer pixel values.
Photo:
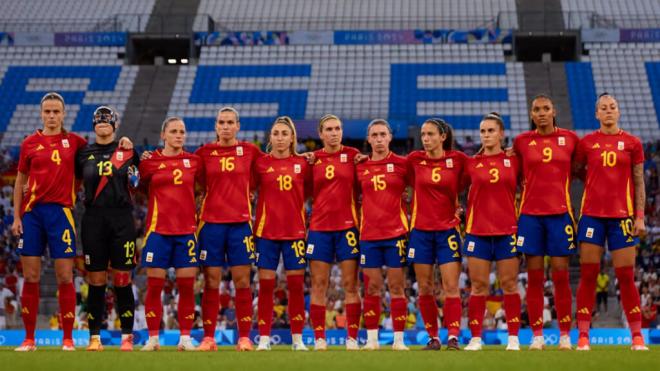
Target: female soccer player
(108, 229)
(612, 212)
(491, 229)
(43, 216)
(225, 232)
(383, 179)
(170, 175)
(434, 238)
(332, 233)
(546, 224)
(283, 180)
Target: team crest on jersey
(620, 145)
(507, 162)
(40, 147)
(470, 246)
(186, 162)
(65, 143)
(343, 157)
(561, 141)
(310, 248)
(161, 166)
(390, 168)
(239, 151)
(296, 168)
(479, 165)
(449, 163)
(150, 257)
(595, 146)
(120, 156)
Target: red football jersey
(49, 163)
(283, 186)
(546, 168)
(435, 190)
(492, 196)
(171, 184)
(227, 178)
(335, 206)
(383, 213)
(609, 190)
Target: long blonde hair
(285, 120)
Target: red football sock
(535, 300)
(512, 312)
(353, 312)
(265, 305)
(153, 306)
(586, 296)
(67, 301)
(563, 300)
(244, 311)
(210, 309)
(429, 310)
(371, 312)
(452, 318)
(476, 309)
(399, 313)
(317, 315)
(630, 299)
(30, 307)
(186, 307)
(296, 305)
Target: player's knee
(509, 286)
(425, 288)
(31, 275)
(211, 281)
(64, 277)
(374, 288)
(241, 282)
(121, 279)
(451, 289)
(396, 290)
(479, 287)
(349, 285)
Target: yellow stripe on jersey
(201, 209)
(69, 217)
(73, 192)
(262, 222)
(413, 218)
(302, 215)
(584, 197)
(249, 203)
(569, 206)
(354, 211)
(361, 219)
(404, 217)
(522, 200)
(468, 227)
(629, 202)
(152, 224)
(33, 197)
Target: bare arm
(640, 198)
(21, 181)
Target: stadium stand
(400, 82)
(614, 13)
(75, 15)
(86, 76)
(629, 71)
(288, 15)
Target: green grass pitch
(282, 358)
